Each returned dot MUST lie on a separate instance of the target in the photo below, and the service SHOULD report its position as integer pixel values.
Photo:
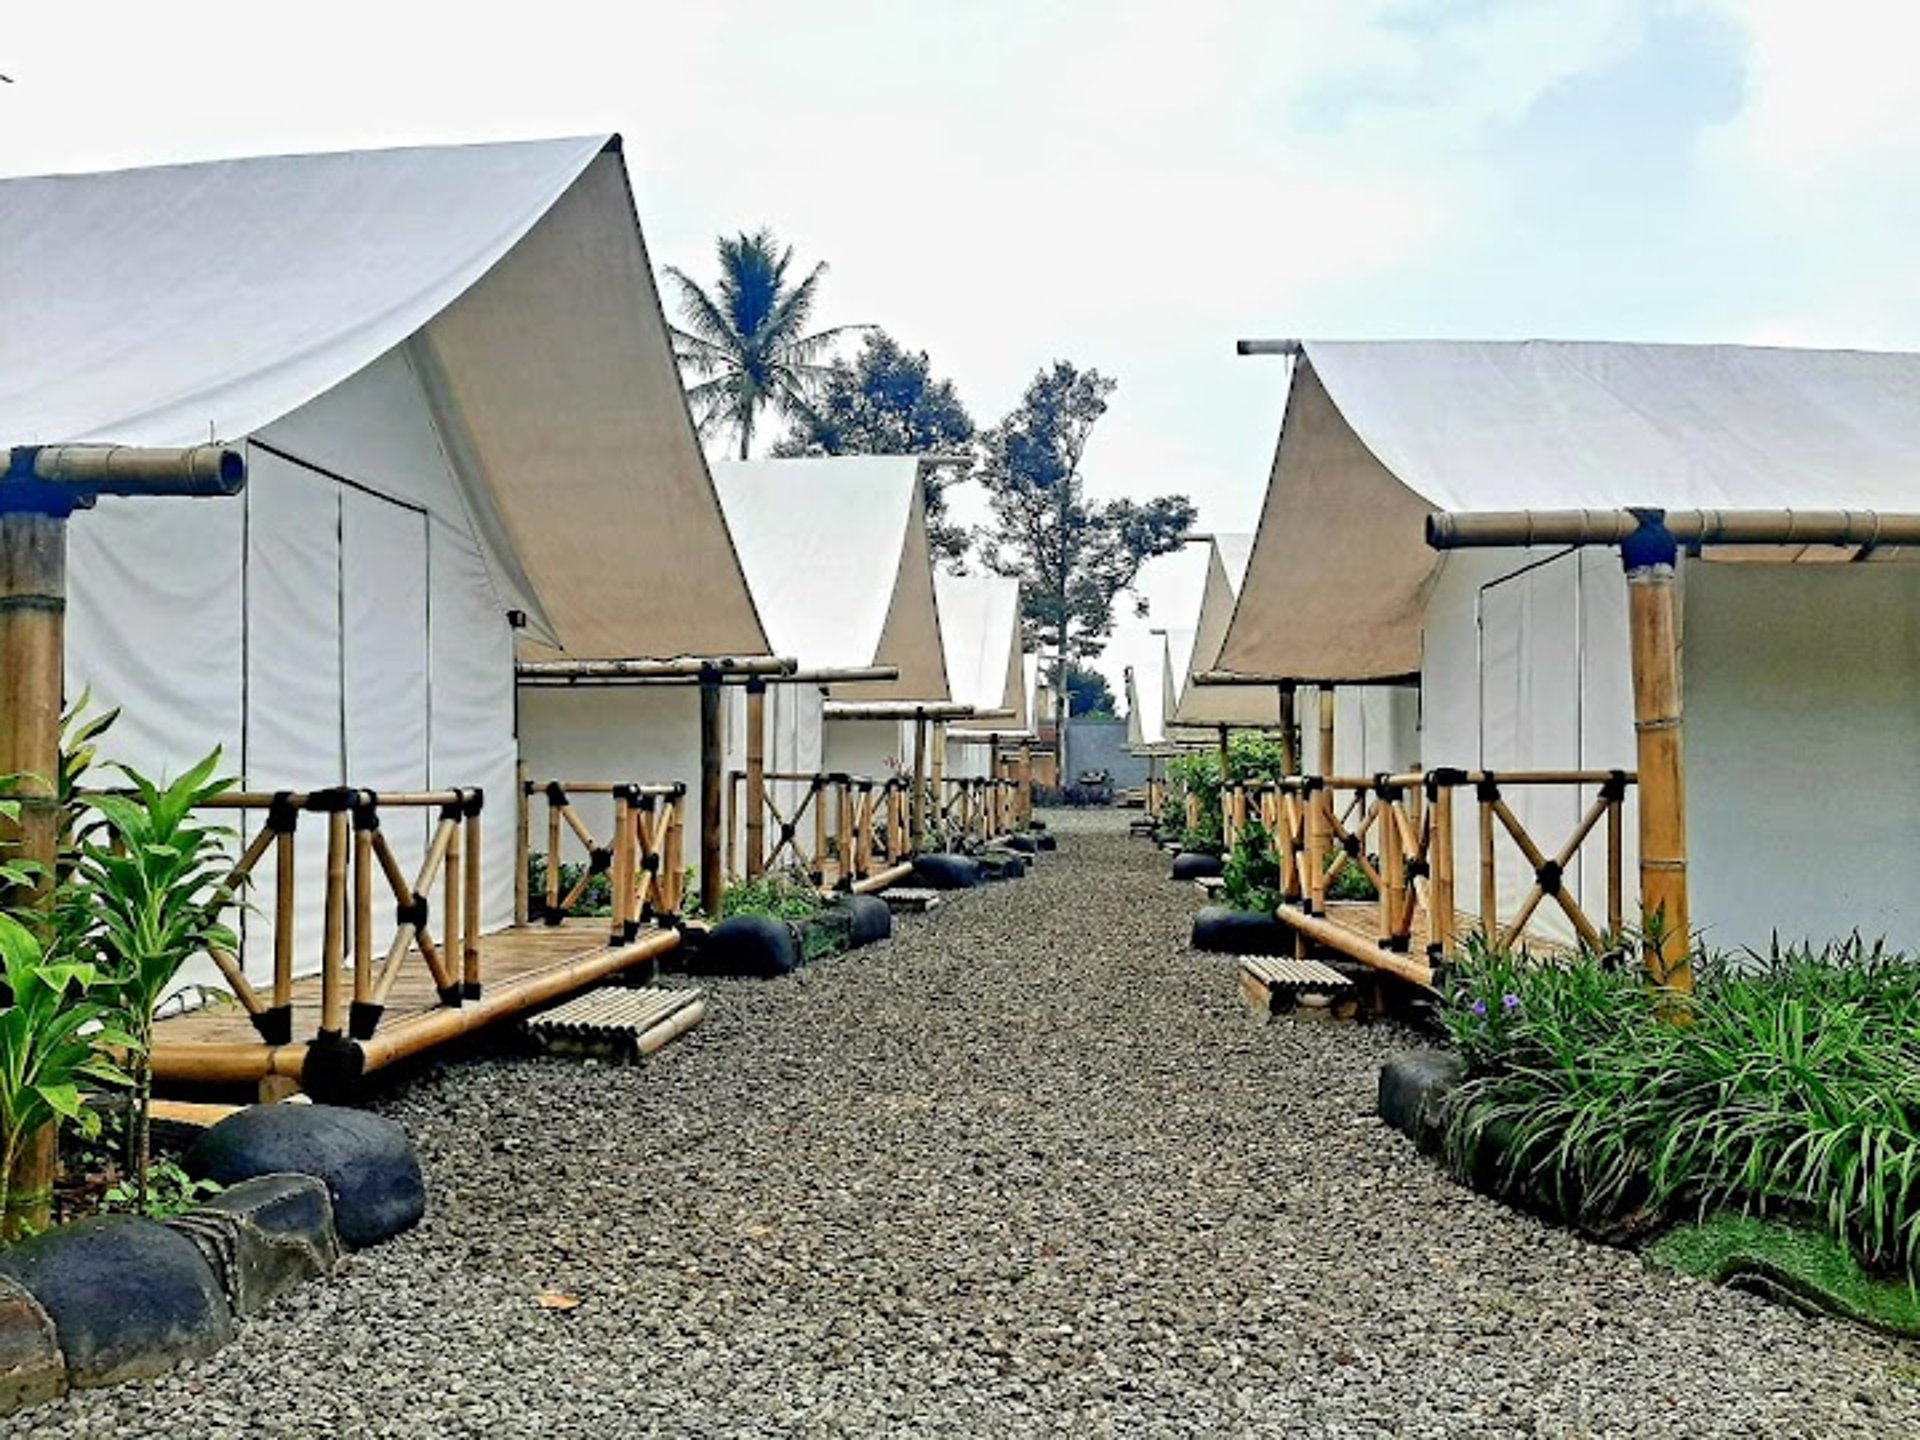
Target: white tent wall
(792, 746)
(875, 749)
(1376, 728)
(644, 733)
(1801, 736)
(338, 625)
(1526, 668)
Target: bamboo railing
(980, 807)
(1399, 831)
(357, 972)
(643, 858)
(842, 830)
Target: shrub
(783, 894)
(596, 899)
(1786, 1084)
(1251, 876)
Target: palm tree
(746, 345)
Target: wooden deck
(521, 968)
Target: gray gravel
(1029, 1169)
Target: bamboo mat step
(1275, 983)
(621, 1021)
(1210, 885)
(907, 900)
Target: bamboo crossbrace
(689, 669)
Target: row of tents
(479, 543)
(1523, 567)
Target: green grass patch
(1791, 1263)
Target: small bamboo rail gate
(403, 964)
(1399, 831)
(644, 862)
(981, 807)
(846, 832)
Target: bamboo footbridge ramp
(405, 963)
(1401, 832)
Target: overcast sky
(1131, 186)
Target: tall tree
(887, 402)
(746, 345)
(1075, 556)
(1088, 692)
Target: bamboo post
(711, 741)
(1026, 783)
(938, 736)
(1488, 794)
(675, 863)
(1226, 781)
(821, 784)
(756, 777)
(283, 913)
(1393, 865)
(843, 817)
(333, 943)
(1651, 557)
(1289, 750)
(556, 802)
(365, 819)
(454, 913)
(470, 896)
(1616, 868)
(626, 833)
(33, 591)
(522, 901)
(1327, 765)
(1319, 841)
(1440, 901)
(917, 805)
(1001, 822)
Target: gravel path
(1029, 1169)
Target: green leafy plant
(151, 885)
(51, 1029)
(783, 894)
(1251, 875)
(596, 899)
(169, 1191)
(1792, 1088)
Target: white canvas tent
(980, 630)
(1207, 707)
(449, 373)
(1797, 673)
(836, 552)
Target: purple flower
(1510, 1002)
(1478, 1007)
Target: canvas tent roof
(1377, 435)
(1214, 704)
(836, 553)
(169, 305)
(980, 629)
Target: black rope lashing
(1615, 787)
(411, 912)
(556, 793)
(283, 816)
(1548, 877)
(1351, 844)
(1487, 789)
(599, 860)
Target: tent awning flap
(836, 553)
(1378, 435)
(167, 305)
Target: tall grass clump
(1787, 1084)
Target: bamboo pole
(333, 943)
(555, 803)
(756, 777)
(1650, 558)
(1616, 871)
(711, 743)
(451, 921)
(843, 817)
(1440, 897)
(1289, 732)
(1001, 822)
(1326, 766)
(675, 862)
(626, 832)
(283, 913)
(1489, 883)
(917, 818)
(937, 735)
(363, 862)
(1319, 841)
(33, 568)
(522, 901)
(470, 897)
